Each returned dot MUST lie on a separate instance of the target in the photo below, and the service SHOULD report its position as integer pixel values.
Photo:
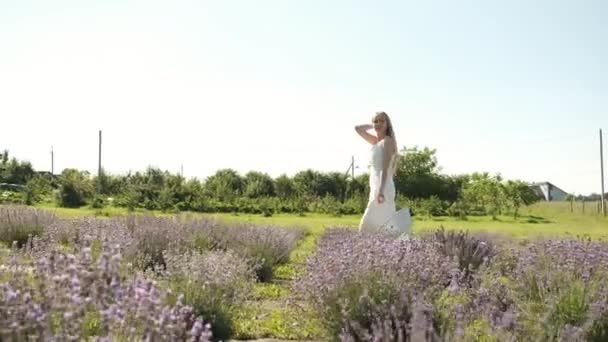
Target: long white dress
(376, 213)
(383, 216)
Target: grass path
(272, 312)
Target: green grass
(286, 322)
(86, 211)
(271, 312)
(538, 220)
(541, 219)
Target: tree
(306, 183)
(13, 171)
(258, 184)
(284, 187)
(485, 191)
(75, 188)
(225, 185)
(418, 177)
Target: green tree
(417, 176)
(306, 183)
(284, 187)
(258, 184)
(13, 171)
(487, 192)
(37, 188)
(518, 193)
(76, 188)
(225, 185)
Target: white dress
(383, 216)
(376, 213)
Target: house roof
(548, 183)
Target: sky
(518, 88)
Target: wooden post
(583, 206)
(572, 204)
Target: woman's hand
(380, 198)
(362, 131)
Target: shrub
(470, 251)
(75, 189)
(37, 189)
(151, 237)
(214, 283)
(358, 282)
(265, 246)
(12, 197)
(98, 202)
(19, 223)
(69, 297)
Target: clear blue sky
(515, 87)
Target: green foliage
(38, 189)
(11, 197)
(76, 188)
(13, 171)
(225, 185)
(258, 184)
(418, 177)
(98, 202)
(486, 194)
(284, 187)
(418, 180)
(598, 331)
(358, 300)
(207, 302)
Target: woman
(381, 204)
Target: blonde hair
(391, 133)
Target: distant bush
(11, 197)
(418, 182)
(75, 189)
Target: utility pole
(182, 170)
(52, 161)
(602, 173)
(99, 163)
(351, 168)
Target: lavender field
(194, 278)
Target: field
(313, 278)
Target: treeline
(419, 184)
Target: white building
(548, 191)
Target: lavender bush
(452, 286)
(470, 251)
(151, 237)
(18, 223)
(265, 246)
(146, 237)
(358, 281)
(214, 283)
(64, 296)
